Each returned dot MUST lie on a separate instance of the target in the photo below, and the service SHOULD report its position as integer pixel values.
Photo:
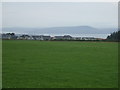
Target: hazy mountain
(62, 30)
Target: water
(104, 36)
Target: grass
(46, 64)
(0, 63)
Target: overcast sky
(49, 14)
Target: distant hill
(62, 30)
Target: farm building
(46, 37)
(88, 38)
(41, 37)
(77, 38)
(58, 38)
(25, 37)
(67, 37)
(37, 37)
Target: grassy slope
(35, 64)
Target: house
(67, 37)
(25, 37)
(37, 37)
(41, 37)
(77, 38)
(58, 38)
(46, 38)
(88, 38)
(5, 36)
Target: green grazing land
(0, 63)
(52, 64)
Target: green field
(54, 64)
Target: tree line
(115, 36)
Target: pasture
(57, 64)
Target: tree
(115, 36)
